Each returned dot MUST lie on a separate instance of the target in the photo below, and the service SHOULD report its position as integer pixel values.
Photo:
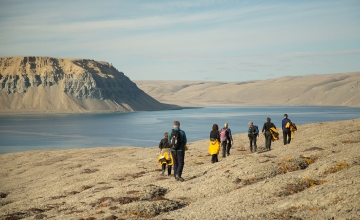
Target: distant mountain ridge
(46, 84)
(342, 89)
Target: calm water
(64, 131)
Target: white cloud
(189, 36)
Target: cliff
(45, 84)
(341, 89)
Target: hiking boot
(181, 179)
(228, 154)
(177, 177)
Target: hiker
(165, 158)
(177, 140)
(214, 146)
(253, 133)
(286, 123)
(226, 140)
(266, 131)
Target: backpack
(175, 139)
(223, 136)
(256, 130)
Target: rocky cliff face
(62, 85)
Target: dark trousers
(179, 157)
(268, 140)
(228, 147)
(169, 169)
(252, 140)
(214, 158)
(223, 148)
(287, 136)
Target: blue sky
(190, 40)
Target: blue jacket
(284, 121)
(255, 130)
(182, 137)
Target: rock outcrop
(45, 84)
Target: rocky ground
(317, 176)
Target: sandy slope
(319, 90)
(317, 176)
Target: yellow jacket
(214, 147)
(293, 128)
(165, 157)
(274, 134)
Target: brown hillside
(315, 90)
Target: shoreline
(10, 112)
(19, 112)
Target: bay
(144, 129)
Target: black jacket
(215, 135)
(164, 143)
(267, 126)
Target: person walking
(266, 132)
(226, 140)
(253, 133)
(286, 123)
(214, 146)
(165, 157)
(177, 141)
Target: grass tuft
(289, 159)
(339, 166)
(301, 185)
(251, 180)
(349, 141)
(312, 149)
